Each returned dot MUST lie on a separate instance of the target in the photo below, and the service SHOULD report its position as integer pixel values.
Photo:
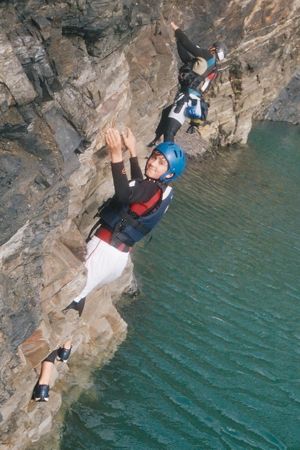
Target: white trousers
(104, 264)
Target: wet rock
(12, 74)
(105, 29)
(35, 62)
(18, 175)
(10, 131)
(287, 106)
(43, 24)
(66, 137)
(6, 98)
(36, 347)
(43, 416)
(61, 267)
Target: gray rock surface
(287, 106)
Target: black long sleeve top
(193, 49)
(126, 194)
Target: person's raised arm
(174, 26)
(188, 45)
(114, 146)
(130, 144)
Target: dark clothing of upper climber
(187, 50)
(199, 63)
(198, 70)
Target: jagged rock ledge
(67, 69)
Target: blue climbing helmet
(175, 157)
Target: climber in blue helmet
(135, 209)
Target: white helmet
(221, 50)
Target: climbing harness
(122, 226)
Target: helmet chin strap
(169, 176)
(151, 179)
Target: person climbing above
(133, 211)
(198, 71)
(41, 389)
(199, 64)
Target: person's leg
(172, 126)
(104, 264)
(176, 117)
(46, 371)
(92, 280)
(161, 126)
(41, 389)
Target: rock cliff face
(67, 70)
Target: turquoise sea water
(212, 358)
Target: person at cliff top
(196, 74)
(134, 210)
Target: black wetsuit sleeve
(135, 170)
(125, 194)
(193, 49)
(121, 185)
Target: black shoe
(77, 306)
(152, 143)
(63, 354)
(41, 393)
